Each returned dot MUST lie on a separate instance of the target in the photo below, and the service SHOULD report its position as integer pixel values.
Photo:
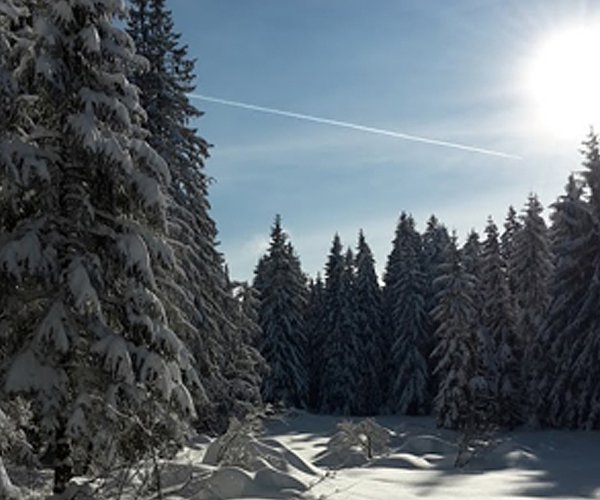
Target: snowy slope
(420, 464)
(521, 464)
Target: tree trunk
(63, 463)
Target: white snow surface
(524, 464)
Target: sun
(563, 81)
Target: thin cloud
(354, 126)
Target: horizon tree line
(496, 332)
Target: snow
(524, 464)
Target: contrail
(354, 126)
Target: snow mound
(253, 454)
(337, 459)
(355, 444)
(246, 466)
(234, 482)
(427, 444)
(506, 454)
(227, 482)
(403, 461)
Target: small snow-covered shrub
(367, 437)
(237, 446)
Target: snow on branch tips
(25, 256)
(84, 295)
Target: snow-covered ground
(291, 460)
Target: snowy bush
(238, 446)
(367, 437)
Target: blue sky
(446, 69)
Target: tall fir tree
(282, 291)
(456, 347)
(578, 370)
(405, 305)
(532, 268)
(499, 322)
(314, 317)
(339, 376)
(370, 329)
(435, 243)
(84, 257)
(571, 221)
(483, 385)
(216, 340)
(512, 227)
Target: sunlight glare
(563, 81)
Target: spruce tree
(483, 384)
(283, 296)
(512, 227)
(455, 313)
(578, 372)
(435, 243)
(370, 329)
(84, 256)
(571, 221)
(215, 339)
(405, 305)
(532, 268)
(339, 376)
(314, 315)
(499, 322)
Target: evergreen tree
(370, 329)
(578, 370)
(571, 221)
(455, 313)
(532, 267)
(512, 227)
(243, 373)
(499, 322)
(84, 257)
(435, 243)
(314, 316)
(405, 304)
(471, 253)
(339, 376)
(483, 384)
(215, 339)
(282, 291)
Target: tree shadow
(546, 464)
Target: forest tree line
(500, 331)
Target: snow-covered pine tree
(283, 297)
(405, 305)
(579, 374)
(83, 257)
(512, 226)
(435, 242)
(214, 338)
(248, 305)
(532, 269)
(499, 322)
(471, 257)
(339, 375)
(484, 383)
(571, 221)
(456, 347)
(313, 318)
(370, 329)
(244, 366)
